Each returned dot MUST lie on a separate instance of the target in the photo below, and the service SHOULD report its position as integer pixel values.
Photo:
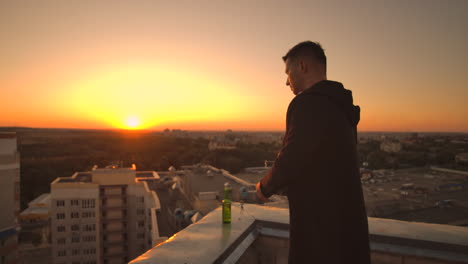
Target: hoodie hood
(338, 95)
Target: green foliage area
(424, 152)
(50, 153)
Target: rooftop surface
(207, 240)
(87, 176)
(211, 241)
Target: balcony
(259, 234)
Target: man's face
(294, 76)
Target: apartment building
(34, 246)
(9, 197)
(106, 215)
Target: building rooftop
(90, 176)
(147, 174)
(37, 209)
(42, 200)
(7, 134)
(35, 212)
(77, 177)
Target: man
(317, 165)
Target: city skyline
(217, 66)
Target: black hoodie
(318, 166)
(343, 98)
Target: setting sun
(132, 122)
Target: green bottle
(227, 203)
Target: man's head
(306, 64)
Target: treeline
(47, 154)
(426, 152)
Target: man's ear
(303, 66)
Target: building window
(74, 202)
(60, 216)
(61, 240)
(89, 251)
(61, 253)
(90, 227)
(75, 215)
(60, 203)
(89, 238)
(90, 203)
(141, 223)
(60, 228)
(88, 214)
(75, 227)
(75, 239)
(75, 252)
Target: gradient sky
(217, 64)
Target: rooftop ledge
(392, 241)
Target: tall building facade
(103, 216)
(9, 197)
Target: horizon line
(214, 130)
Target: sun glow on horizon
(133, 122)
(156, 95)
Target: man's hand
(260, 195)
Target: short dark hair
(307, 48)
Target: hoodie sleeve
(306, 126)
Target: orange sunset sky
(217, 65)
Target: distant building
(390, 146)
(262, 137)
(222, 143)
(204, 184)
(9, 197)
(106, 215)
(175, 132)
(35, 231)
(411, 139)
